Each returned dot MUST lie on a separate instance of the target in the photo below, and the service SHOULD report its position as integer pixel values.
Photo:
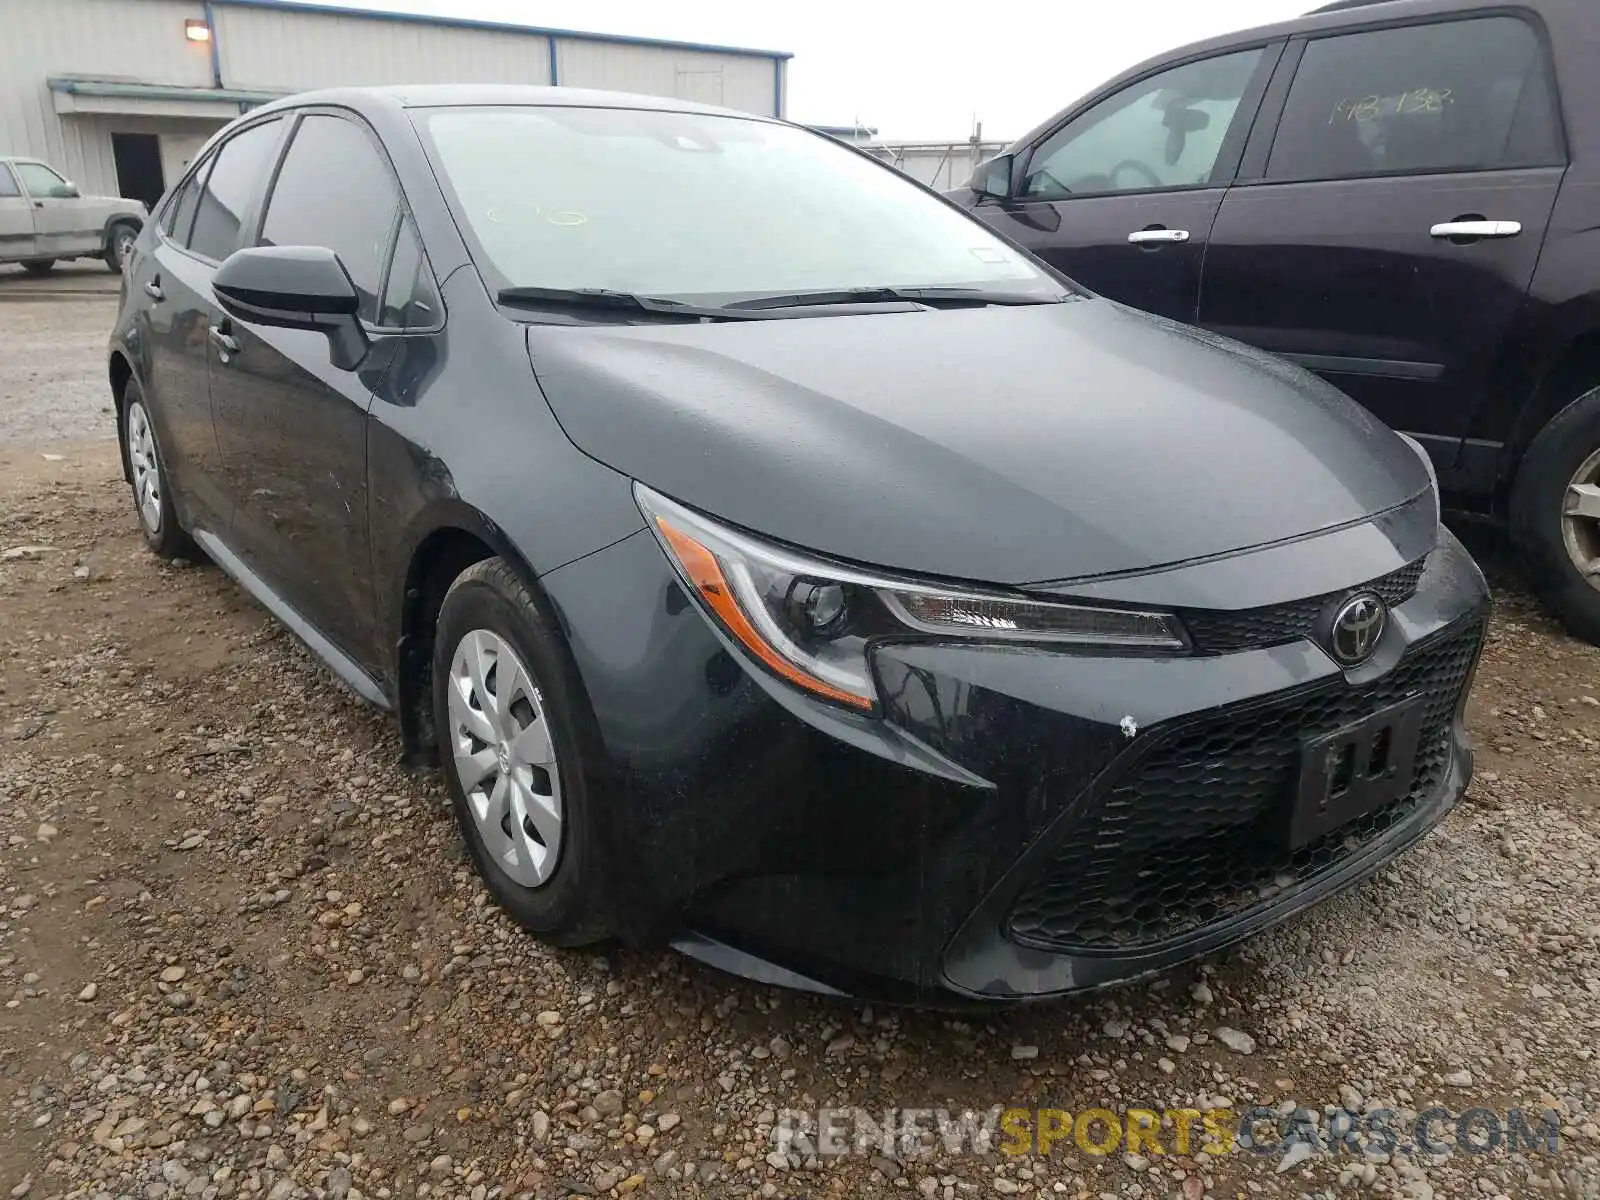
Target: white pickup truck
(43, 218)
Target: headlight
(810, 621)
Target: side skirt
(351, 675)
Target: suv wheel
(147, 475)
(39, 266)
(506, 702)
(119, 244)
(1555, 514)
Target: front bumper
(1018, 824)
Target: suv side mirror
(295, 287)
(64, 191)
(993, 178)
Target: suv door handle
(152, 288)
(1476, 229)
(223, 342)
(1158, 236)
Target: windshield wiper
(624, 302)
(936, 296)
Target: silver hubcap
(124, 247)
(1580, 526)
(146, 470)
(504, 757)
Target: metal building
(120, 94)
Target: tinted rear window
(234, 185)
(1451, 96)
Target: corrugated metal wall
(294, 51)
(260, 48)
(109, 39)
(735, 81)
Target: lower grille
(1214, 631)
(1193, 834)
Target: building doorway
(138, 160)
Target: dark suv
(1403, 196)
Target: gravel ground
(241, 953)
(52, 355)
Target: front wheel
(507, 704)
(1555, 515)
(119, 244)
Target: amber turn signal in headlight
(810, 621)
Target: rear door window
(233, 187)
(1468, 95)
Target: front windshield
(694, 206)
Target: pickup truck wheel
(1555, 515)
(119, 244)
(39, 266)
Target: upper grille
(1216, 632)
(1194, 833)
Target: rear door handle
(152, 288)
(1158, 237)
(223, 342)
(1476, 229)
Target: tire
(1565, 455)
(147, 475)
(39, 266)
(119, 244)
(561, 897)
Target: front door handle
(152, 288)
(1157, 236)
(1476, 228)
(225, 344)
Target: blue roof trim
(157, 91)
(339, 10)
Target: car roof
(447, 95)
(1338, 14)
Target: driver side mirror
(993, 178)
(64, 191)
(295, 287)
(1181, 122)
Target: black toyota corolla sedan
(778, 563)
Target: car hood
(1004, 445)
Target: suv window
(1453, 96)
(8, 185)
(39, 179)
(409, 299)
(1162, 132)
(237, 176)
(335, 190)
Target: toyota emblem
(1357, 625)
